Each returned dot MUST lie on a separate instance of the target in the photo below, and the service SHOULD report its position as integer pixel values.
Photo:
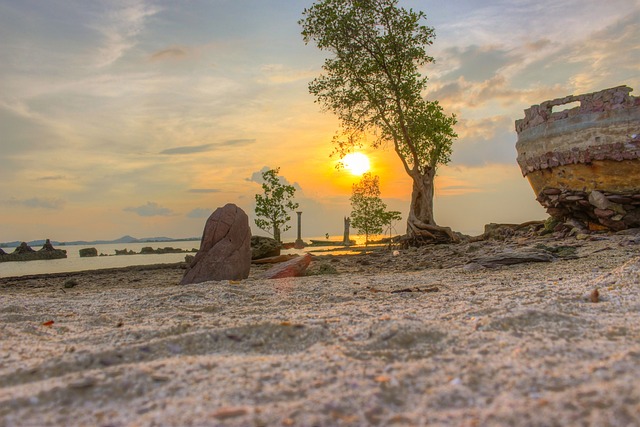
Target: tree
(369, 213)
(373, 84)
(272, 208)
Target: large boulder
(225, 248)
(264, 247)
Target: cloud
(236, 142)
(476, 63)
(51, 178)
(257, 178)
(120, 28)
(169, 54)
(484, 141)
(280, 74)
(203, 190)
(150, 209)
(200, 213)
(36, 203)
(207, 147)
(189, 150)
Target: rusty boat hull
(584, 162)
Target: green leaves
(372, 81)
(273, 206)
(369, 213)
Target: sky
(142, 117)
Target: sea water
(73, 262)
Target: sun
(356, 163)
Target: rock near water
(293, 268)
(264, 247)
(225, 249)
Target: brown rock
(603, 213)
(225, 248)
(274, 259)
(510, 258)
(293, 268)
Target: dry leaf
(224, 413)
(48, 323)
(595, 296)
(382, 379)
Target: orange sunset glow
(143, 118)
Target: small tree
(272, 208)
(369, 213)
(373, 84)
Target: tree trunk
(276, 233)
(421, 226)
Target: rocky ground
(464, 334)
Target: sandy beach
(422, 337)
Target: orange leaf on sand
(48, 323)
(382, 379)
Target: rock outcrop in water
(25, 253)
(583, 163)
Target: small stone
(84, 382)
(70, 283)
(603, 213)
(551, 191)
(623, 200)
(599, 200)
(473, 266)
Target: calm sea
(73, 262)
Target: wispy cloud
(207, 147)
(51, 178)
(171, 53)
(189, 149)
(204, 190)
(200, 213)
(257, 178)
(36, 203)
(121, 26)
(150, 209)
(237, 142)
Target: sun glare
(356, 163)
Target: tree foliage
(373, 84)
(273, 207)
(369, 213)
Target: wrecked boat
(583, 163)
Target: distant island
(124, 239)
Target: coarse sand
(415, 339)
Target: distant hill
(124, 239)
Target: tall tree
(373, 84)
(369, 213)
(273, 207)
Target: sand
(415, 339)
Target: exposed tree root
(420, 234)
